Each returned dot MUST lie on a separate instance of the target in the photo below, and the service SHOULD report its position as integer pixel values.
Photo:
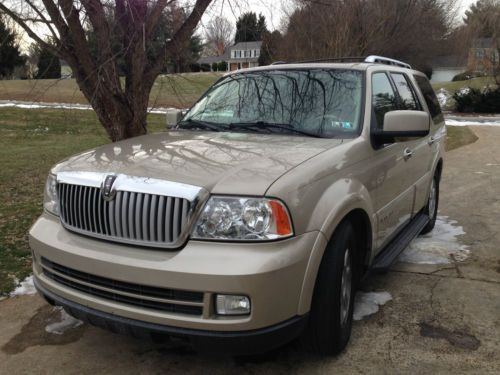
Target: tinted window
(408, 100)
(430, 98)
(383, 97)
(326, 102)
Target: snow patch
(26, 287)
(485, 122)
(441, 246)
(443, 97)
(66, 323)
(368, 303)
(85, 107)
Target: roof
(211, 59)
(247, 45)
(483, 43)
(449, 61)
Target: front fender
(336, 202)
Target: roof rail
(333, 59)
(386, 61)
(370, 59)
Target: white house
(244, 55)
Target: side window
(408, 99)
(430, 98)
(383, 97)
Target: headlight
(50, 202)
(243, 219)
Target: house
(483, 56)
(244, 55)
(444, 68)
(241, 55)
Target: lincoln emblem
(107, 191)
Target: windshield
(321, 102)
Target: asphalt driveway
(442, 317)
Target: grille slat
(179, 301)
(137, 218)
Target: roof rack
(370, 59)
(333, 59)
(386, 61)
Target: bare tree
(482, 20)
(120, 106)
(407, 29)
(219, 35)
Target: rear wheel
(330, 319)
(432, 205)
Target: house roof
(247, 45)
(449, 61)
(483, 43)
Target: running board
(388, 255)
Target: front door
(395, 189)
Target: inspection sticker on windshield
(346, 125)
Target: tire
(330, 321)
(432, 205)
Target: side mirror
(401, 125)
(174, 116)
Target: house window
(479, 53)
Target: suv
(253, 220)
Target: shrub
(474, 100)
(468, 75)
(222, 66)
(195, 67)
(214, 66)
(204, 67)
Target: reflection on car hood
(223, 163)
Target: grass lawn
(459, 136)
(31, 141)
(452, 87)
(177, 90)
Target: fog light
(232, 305)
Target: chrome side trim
(132, 184)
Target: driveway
(443, 317)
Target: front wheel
(432, 205)
(330, 319)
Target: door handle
(431, 141)
(407, 153)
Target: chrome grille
(131, 217)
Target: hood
(222, 163)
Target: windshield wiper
(263, 125)
(198, 124)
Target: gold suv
(250, 222)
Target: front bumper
(271, 274)
(229, 343)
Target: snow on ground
(38, 105)
(441, 246)
(67, 322)
(368, 303)
(483, 121)
(443, 97)
(26, 287)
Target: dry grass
(179, 90)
